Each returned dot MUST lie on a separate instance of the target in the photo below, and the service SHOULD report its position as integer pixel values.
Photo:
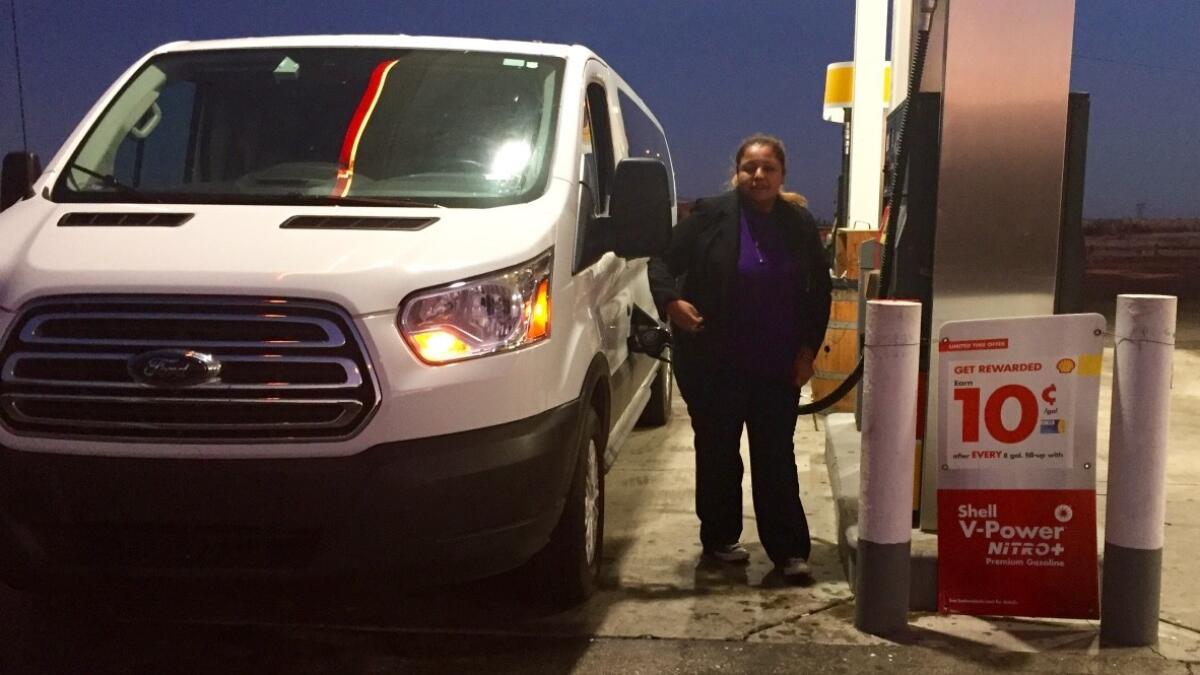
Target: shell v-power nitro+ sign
(1017, 408)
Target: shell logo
(1063, 513)
(1065, 365)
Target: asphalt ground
(73, 637)
(661, 608)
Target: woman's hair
(771, 142)
(777, 149)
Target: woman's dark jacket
(704, 255)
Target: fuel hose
(896, 185)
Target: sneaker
(730, 553)
(794, 567)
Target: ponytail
(793, 198)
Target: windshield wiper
(111, 181)
(364, 201)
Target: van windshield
(324, 125)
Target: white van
(317, 305)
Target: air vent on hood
(355, 223)
(124, 219)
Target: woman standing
(749, 318)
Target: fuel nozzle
(647, 335)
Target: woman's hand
(802, 367)
(685, 315)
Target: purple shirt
(763, 332)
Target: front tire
(568, 567)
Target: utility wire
(1135, 64)
(12, 4)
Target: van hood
(242, 250)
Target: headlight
(480, 316)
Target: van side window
(601, 142)
(644, 136)
(591, 171)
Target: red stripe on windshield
(362, 115)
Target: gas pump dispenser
(984, 170)
(914, 270)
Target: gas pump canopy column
(866, 129)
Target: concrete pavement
(661, 608)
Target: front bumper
(446, 508)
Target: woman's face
(759, 176)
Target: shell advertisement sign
(1017, 408)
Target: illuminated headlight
(480, 316)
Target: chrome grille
(289, 369)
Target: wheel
(567, 568)
(658, 410)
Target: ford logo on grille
(174, 368)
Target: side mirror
(639, 211)
(646, 336)
(17, 175)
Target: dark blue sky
(713, 71)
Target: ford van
(287, 307)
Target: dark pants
(767, 408)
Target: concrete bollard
(1137, 455)
(891, 352)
